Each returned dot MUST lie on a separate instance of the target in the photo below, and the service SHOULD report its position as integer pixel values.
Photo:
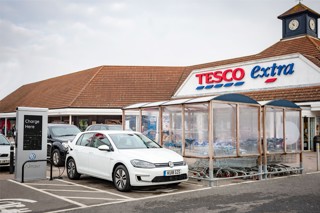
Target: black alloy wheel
(56, 158)
(72, 170)
(121, 179)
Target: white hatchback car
(127, 158)
(4, 151)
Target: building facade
(288, 69)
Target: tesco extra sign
(236, 76)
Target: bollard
(11, 168)
(318, 160)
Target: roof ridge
(178, 85)
(313, 42)
(86, 85)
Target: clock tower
(299, 20)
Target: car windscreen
(132, 141)
(61, 131)
(114, 127)
(3, 140)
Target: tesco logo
(219, 76)
(235, 77)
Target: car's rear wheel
(121, 179)
(72, 170)
(56, 158)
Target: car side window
(85, 139)
(100, 139)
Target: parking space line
(71, 190)
(115, 194)
(50, 194)
(133, 199)
(310, 173)
(92, 198)
(47, 184)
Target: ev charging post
(31, 143)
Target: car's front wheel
(72, 170)
(121, 179)
(56, 158)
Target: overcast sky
(41, 39)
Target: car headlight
(142, 164)
(65, 145)
(184, 163)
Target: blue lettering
(261, 72)
(289, 69)
(280, 68)
(265, 72)
(273, 69)
(254, 71)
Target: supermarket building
(289, 69)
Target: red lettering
(199, 76)
(219, 76)
(225, 73)
(209, 79)
(235, 72)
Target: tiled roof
(302, 94)
(119, 86)
(299, 8)
(100, 87)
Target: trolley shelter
(221, 136)
(282, 138)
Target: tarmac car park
(62, 194)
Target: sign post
(31, 143)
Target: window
(99, 139)
(85, 139)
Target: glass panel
(312, 132)
(293, 139)
(132, 122)
(196, 130)
(172, 128)
(224, 129)
(150, 127)
(306, 132)
(249, 129)
(318, 126)
(274, 129)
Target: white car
(127, 158)
(4, 151)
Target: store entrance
(308, 132)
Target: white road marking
(71, 190)
(47, 184)
(50, 194)
(310, 173)
(126, 197)
(19, 199)
(91, 198)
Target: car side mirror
(104, 148)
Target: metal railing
(31, 161)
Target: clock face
(312, 24)
(293, 24)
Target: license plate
(171, 172)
